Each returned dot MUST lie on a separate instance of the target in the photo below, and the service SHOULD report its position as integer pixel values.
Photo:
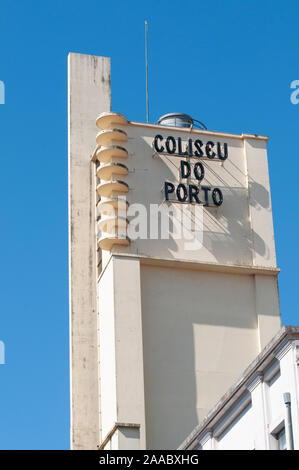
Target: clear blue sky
(227, 63)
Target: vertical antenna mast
(146, 71)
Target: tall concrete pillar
(89, 93)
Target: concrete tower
(159, 328)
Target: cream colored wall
(240, 231)
(200, 331)
(121, 350)
(206, 313)
(259, 202)
(267, 308)
(107, 351)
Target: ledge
(107, 188)
(112, 205)
(110, 224)
(198, 265)
(106, 242)
(106, 153)
(242, 136)
(114, 429)
(108, 136)
(107, 170)
(107, 120)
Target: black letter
(180, 147)
(209, 147)
(158, 137)
(219, 153)
(168, 188)
(198, 144)
(170, 139)
(198, 176)
(193, 193)
(178, 192)
(183, 167)
(206, 189)
(217, 200)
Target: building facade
(161, 325)
(261, 410)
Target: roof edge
(242, 136)
(285, 331)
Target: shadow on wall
(192, 329)
(227, 234)
(260, 195)
(229, 238)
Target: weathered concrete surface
(89, 94)
(121, 352)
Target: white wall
(236, 436)
(257, 425)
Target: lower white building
(260, 411)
